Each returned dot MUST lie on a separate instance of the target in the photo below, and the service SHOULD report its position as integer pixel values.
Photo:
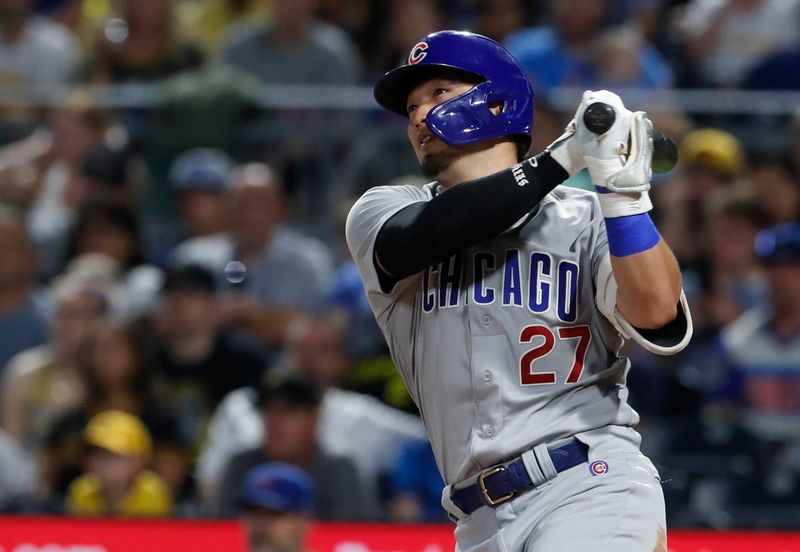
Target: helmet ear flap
(483, 113)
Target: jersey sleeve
(668, 340)
(364, 221)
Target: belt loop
(545, 461)
(534, 471)
(453, 512)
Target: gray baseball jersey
(510, 343)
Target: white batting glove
(619, 160)
(566, 150)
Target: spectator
(43, 382)
(74, 130)
(18, 478)
(290, 406)
(351, 425)
(727, 37)
(735, 281)
(277, 505)
(561, 55)
(498, 19)
(140, 44)
(711, 160)
(107, 235)
(116, 481)
(200, 176)
(118, 376)
(34, 50)
(111, 172)
(363, 20)
(416, 485)
(198, 360)
(285, 272)
(294, 48)
(761, 350)
(777, 180)
(619, 54)
(207, 21)
(407, 21)
(23, 310)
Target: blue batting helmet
(779, 244)
(467, 118)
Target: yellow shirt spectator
(207, 22)
(148, 497)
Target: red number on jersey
(529, 333)
(584, 336)
(526, 362)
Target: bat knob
(598, 117)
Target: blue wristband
(631, 234)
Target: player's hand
(620, 159)
(566, 150)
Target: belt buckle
(485, 492)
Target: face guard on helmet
(468, 118)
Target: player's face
(434, 155)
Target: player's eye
(440, 91)
(411, 108)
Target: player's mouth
(424, 138)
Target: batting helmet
(467, 118)
(779, 244)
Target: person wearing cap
(761, 349)
(199, 360)
(290, 406)
(276, 507)
(117, 481)
(200, 176)
(354, 425)
(711, 160)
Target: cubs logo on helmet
(418, 53)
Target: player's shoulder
(379, 200)
(413, 191)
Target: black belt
(501, 483)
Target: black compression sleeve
(427, 232)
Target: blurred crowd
(182, 332)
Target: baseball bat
(598, 118)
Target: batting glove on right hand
(620, 159)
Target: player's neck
(478, 164)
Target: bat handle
(599, 117)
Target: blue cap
(779, 244)
(201, 169)
(280, 487)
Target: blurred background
(181, 327)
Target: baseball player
(505, 301)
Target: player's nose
(419, 115)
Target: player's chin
(436, 163)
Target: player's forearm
(649, 286)
(467, 214)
